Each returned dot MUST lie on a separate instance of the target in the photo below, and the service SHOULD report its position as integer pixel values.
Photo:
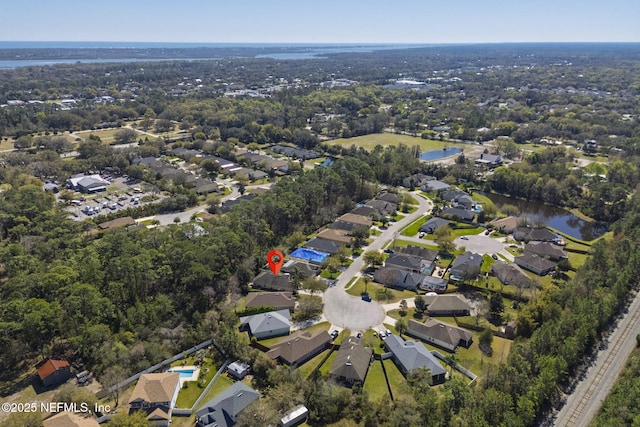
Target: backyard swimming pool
(310, 255)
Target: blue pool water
(440, 154)
(310, 254)
(184, 373)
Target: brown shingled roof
(155, 388)
(292, 349)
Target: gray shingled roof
(413, 355)
(222, 410)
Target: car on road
(464, 238)
(366, 298)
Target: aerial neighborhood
(454, 229)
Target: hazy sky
(321, 21)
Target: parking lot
(121, 195)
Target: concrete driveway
(480, 244)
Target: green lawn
(359, 287)
(328, 364)
(188, 396)
(405, 243)
(397, 382)
(413, 228)
(375, 384)
(368, 142)
(307, 368)
(222, 383)
(373, 341)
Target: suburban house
(323, 245)
(382, 208)
(341, 237)
(465, 267)
(88, 183)
(434, 186)
(228, 204)
(510, 274)
(410, 263)
(505, 225)
(460, 214)
(390, 197)
(356, 219)
(535, 264)
(489, 160)
(238, 369)
(432, 224)
(527, 234)
(54, 372)
(417, 180)
(418, 251)
(395, 278)
(458, 198)
(439, 333)
(365, 210)
(435, 284)
(545, 250)
(299, 347)
(156, 394)
(412, 355)
(70, 419)
(277, 300)
(223, 410)
(204, 186)
(266, 280)
(352, 362)
(304, 269)
(447, 305)
(267, 325)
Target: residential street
(583, 404)
(348, 311)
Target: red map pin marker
(275, 260)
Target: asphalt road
(348, 311)
(583, 404)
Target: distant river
(556, 218)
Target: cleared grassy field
(106, 135)
(368, 142)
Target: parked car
(366, 298)
(421, 235)
(464, 238)
(359, 335)
(335, 334)
(494, 256)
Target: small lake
(556, 218)
(440, 154)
